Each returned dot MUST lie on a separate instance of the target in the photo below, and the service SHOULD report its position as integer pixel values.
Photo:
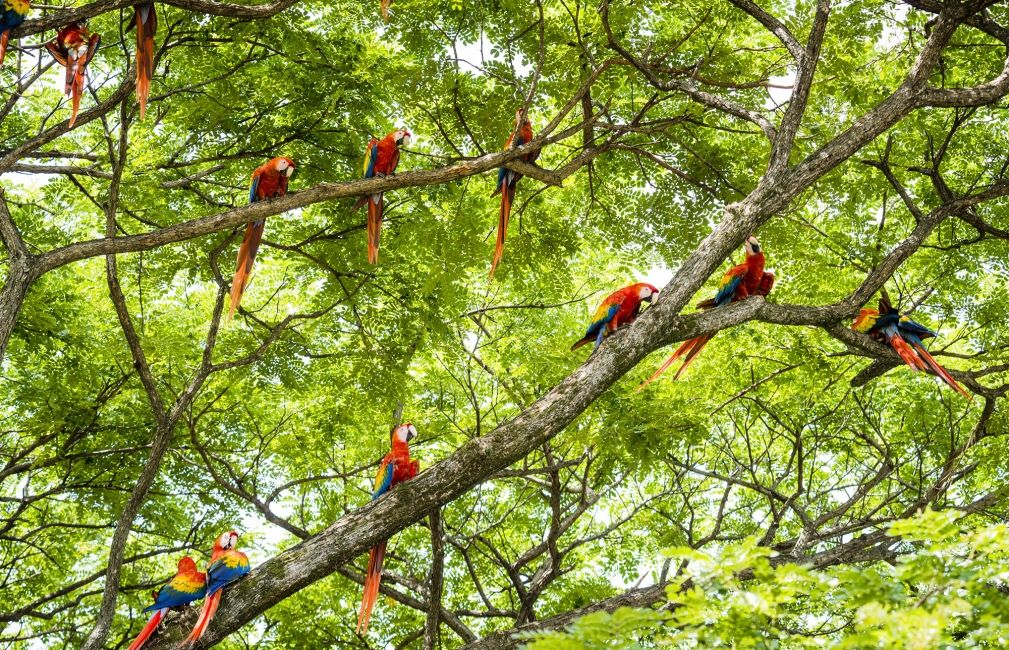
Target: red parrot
(269, 181)
(381, 159)
(383, 6)
(395, 468)
(74, 47)
(507, 180)
(904, 336)
(146, 21)
(740, 282)
(619, 308)
(12, 14)
(187, 586)
(227, 564)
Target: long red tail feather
(374, 227)
(206, 615)
(3, 45)
(701, 341)
(147, 631)
(905, 352)
(384, 7)
(76, 90)
(941, 372)
(684, 348)
(507, 194)
(371, 583)
(246, 258)
(145, 57)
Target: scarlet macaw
(11, 15)
(619, 308)
(383, 6)
(227, 564)
(506, 181)
(904, 336)
(395, 468)
(74, 47)
(187, 586)
(381, 159)
(145, 18)
(740, 282)
(269, 181)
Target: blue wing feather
(727, 292)
(385, 480)
(219, 574)
(908, 326)
(598, 324)
(252, 189)
(370, 171)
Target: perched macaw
(507, 180)
(739, 282)
(187, 586)
(904, 336)
(383, 6)
(74, 47)
(11, 15)
(145, 18)
(619, 308)
(269, 181)
(381, 159)
(396, 467)
(227, 564)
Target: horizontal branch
(58, 19)
(315, 194)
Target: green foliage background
(764, 440)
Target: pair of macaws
(905, 336)
(382, 158)
(623, 306)
(75, 46)
(227, 564)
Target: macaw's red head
(226, 541)
(404, 432)
(751, 245)
(521, 118)
(402, 137)
(187, 565)
(647, 292)
(284, 166)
